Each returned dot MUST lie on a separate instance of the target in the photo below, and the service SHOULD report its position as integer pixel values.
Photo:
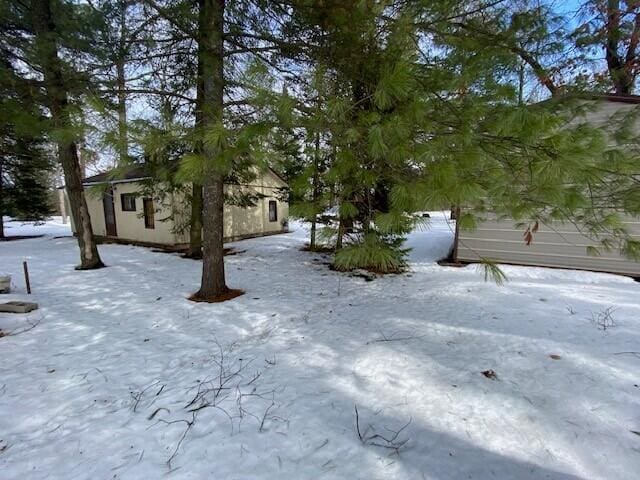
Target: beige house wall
(239, 222)
(557, 244)
(130, 225)
(554, 245)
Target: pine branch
(150, 91)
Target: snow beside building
(117, 373)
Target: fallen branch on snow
(393, 338)
(31, 326)
(226, 391)
(637, 354)
(371, 437)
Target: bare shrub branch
(232, 390)
(604, 319)
(391, 440)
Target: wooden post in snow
(26, 277)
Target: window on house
(128, 202)
(147, 204)
(273, 211)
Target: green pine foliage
(421, 110)
(26, 166)
(374, 252)
(492, 272)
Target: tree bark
(540, 72)
(121, 80)
(315, 192)
(56, 96)
(455, 213)
(195, 225)
(619, 70)
(312, 235)
(211, 52)
(521, 84)
(123, 142)
(340, 234)
(1, 202)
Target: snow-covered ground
(120, 373)
(53, 228)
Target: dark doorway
(109, 213)
(149, 221)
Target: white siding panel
(555, 245)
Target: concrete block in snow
(18, 307)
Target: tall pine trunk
(56, 95)
(312, 234)
(195, 224)
(316, 191)
(121, 80)
(123, 143)
(1, 202)
(620, 68)
(211, 50)
(340, 234)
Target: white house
(122, 210)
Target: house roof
(129, 174)
(609, 113)
(612, 97)
(134, 173)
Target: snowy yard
(122, 377)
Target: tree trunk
(211, 50)
(312, 236)
(619, 73)
(195, 225)
(1, 203)
(213, 285)
(63, 207)
(56, 95)
(521, 84)
(455, 213)
(121, 80)
(340, 234)
(123, 142)
(316, 191)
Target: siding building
(555, 244)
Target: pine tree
(51, 38)
(44, 27)
(230, 41)
(25, 165)
(612, 26)
(126, 38)
(25, 170)
(311, 193)
(424, 114)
